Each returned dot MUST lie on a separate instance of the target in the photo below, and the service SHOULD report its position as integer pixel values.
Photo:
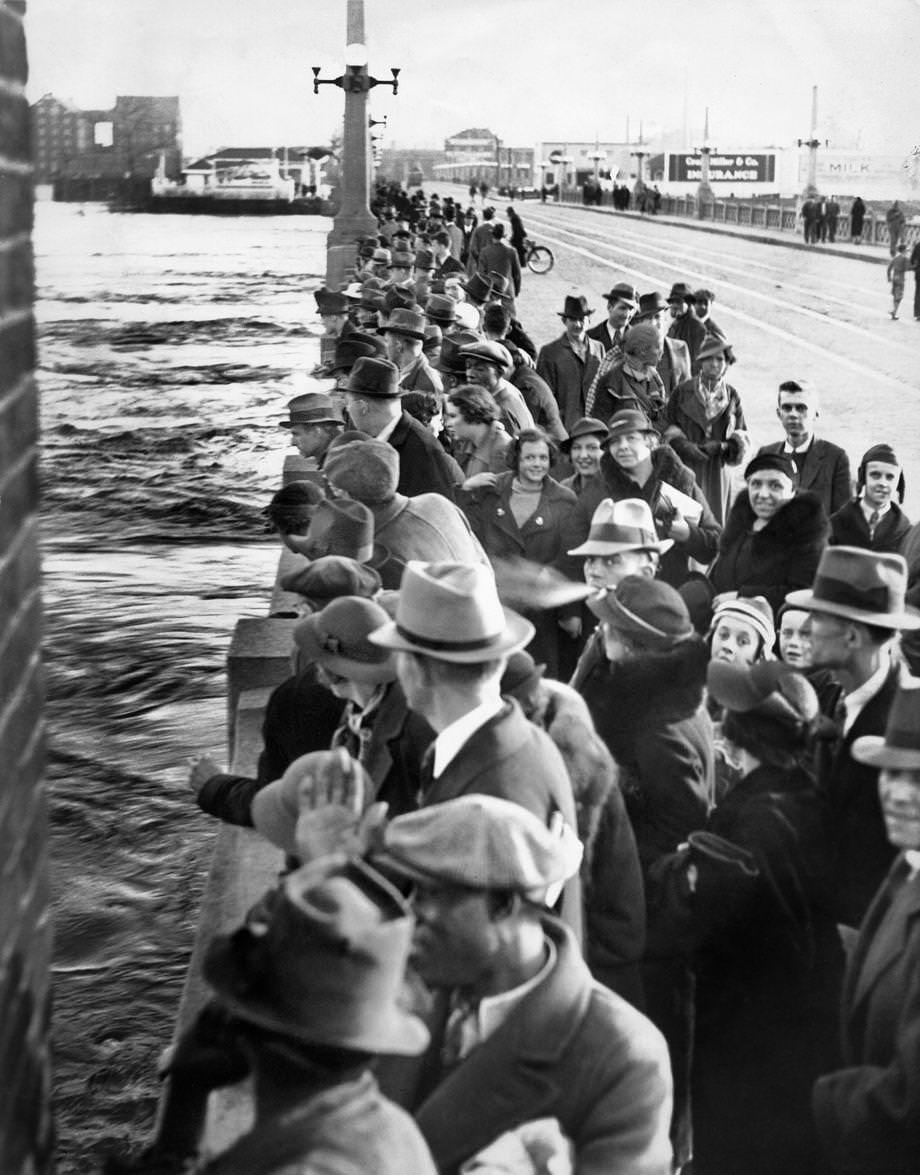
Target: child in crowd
(873, 519)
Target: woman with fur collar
(636, 465)
(774, 536)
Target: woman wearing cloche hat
(705, 425)
(746, 895)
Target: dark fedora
(648, 610)
(588, 426)
(441, 308)
(713, 346)
(312, 408)
(575, 307)
(650, 304)
(410, 323)
(899, 750)
(352, 347)
(623, 292)
(857, 584)
(424, 259)
(401, 261)
(398, 298)
(337, 639)
(478, 289)
(372, 294)
(322, 960)
(681, 292)
(452, 362)
(374, 377)
(330, 302)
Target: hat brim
(597, 547)
(394, 1031)
(872, 750)
(366, 672)
(401, 330)
(517, 633)
(908, 620)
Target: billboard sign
(740, 168)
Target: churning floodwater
(167, 350)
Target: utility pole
(704, 193)
(354, 218)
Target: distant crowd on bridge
(597, 774)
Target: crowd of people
(597, 775)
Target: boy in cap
(873, 519)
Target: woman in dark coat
(857, 216)
(636, 465)
(747, 897)
(706, 428)
(525, 514)
(773, 538)
(646, 700)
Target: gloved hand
(713, 448)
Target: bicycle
(538, 258)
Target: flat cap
(481, 842)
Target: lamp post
(565, 163)
(353, 219)
(811, 185)
(704, 193)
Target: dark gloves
(664, 514)
(713, 448)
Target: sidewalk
(876, 254)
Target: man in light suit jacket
(453, 638)
(520, 1030)
(824, 468)
(868, 1111)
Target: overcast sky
(530, 70)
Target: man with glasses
(824, 468)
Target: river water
(168, 346)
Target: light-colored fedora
(622, 526)
(867, 586)
(451, 612)
(900, 748)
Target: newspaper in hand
(688, 508)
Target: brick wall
(25, 937)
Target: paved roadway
(788, 313)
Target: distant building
(478, 155)
(306, 166)
(571, 163)
(404, 163)
(124, 142)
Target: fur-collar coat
(776, 560)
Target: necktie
(426, 774)
(873, 523)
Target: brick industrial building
(124, 142)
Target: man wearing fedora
(372, 399)
(857, 608)
(684, 323)
(569, 363)
(313, 420)
(306, 994)
(622, 303)
(522, 1032)
(405, 338)
(487, 366)
(453, 638)
(425, 526)
(674, 362)
(867, 1111)
(824, 468)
